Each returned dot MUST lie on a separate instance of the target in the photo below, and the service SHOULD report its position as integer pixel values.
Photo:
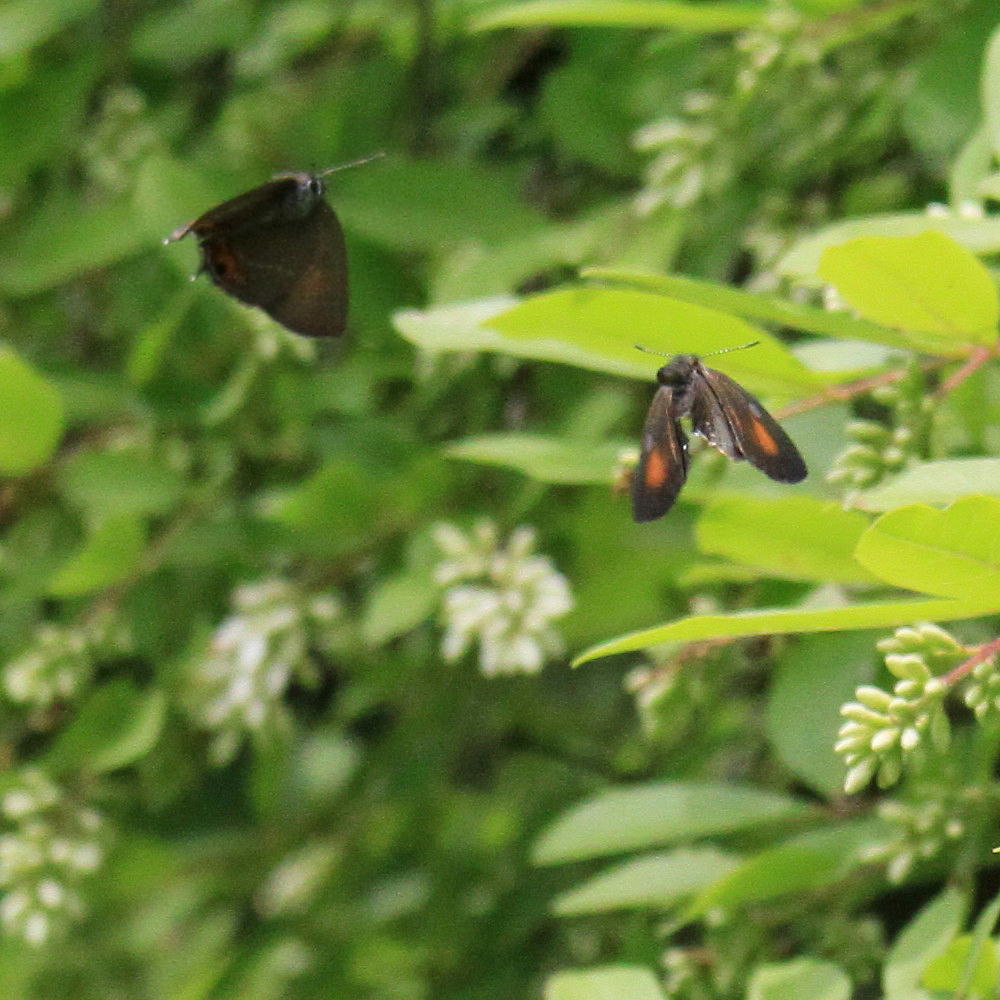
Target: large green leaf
(939, 482)
(31, 417)
(801, 978)
(769, 621)
(547, 459)
(608, 323)
(801, 262)
(799, 537)
(926, 283)
(608, 982)
(949, 553)
(652, 881)
(644, 816)
(752, 305)
(702, 18)
(923, 938)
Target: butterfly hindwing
(662, 467)
(736, 423)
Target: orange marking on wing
(655, 474)
(764, 439)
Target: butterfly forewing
(662, 467)
(735, 422)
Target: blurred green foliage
(252, 739)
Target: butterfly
(279, 247)
(724, 414)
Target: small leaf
(924, 937)
(397, 605)
(643, 816)
(120, 483)
(949, 553)
(939, 482)
(31, 417)
(812, 679)
(654, 880)
(926, 283)
(800, 537)
(801, 978)
(547, 459)
(772, 621)
(116, 726)
(110, 553)
(608, 982)
(991, 89)
(702, 18)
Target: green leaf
(801, 978)
(752, 305)
(120, 483)
(968, 179)
(184, 33)
(806, 862)
(31, 417)
(643, 816)
(547, 459)
(427, 205)
(109, 555)
(27, 23)
(924, 937)
(942, 105)
(812, 679)
(655, 881)
(940, 482)
(963, 970)
(608, 323)
(116, 726)
(608, 982)
(802, 261)
(772, 621)
(991, 90)
(398, 604)
(66, 238)
(702, 18)
(949, 553)
(797, 537)
(925, 283)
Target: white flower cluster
(49, 847)
(502, 598)
(55, 668)
(237, 688)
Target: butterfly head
(677, 372)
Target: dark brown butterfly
(724, 414)
(279, 247)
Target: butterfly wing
(662, 467)
(732, 420)
(293, 267)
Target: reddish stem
(977, 358)
(984, 652)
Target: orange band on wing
(655, 473)
(764, 439)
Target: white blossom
(238, 686)
(501, 599)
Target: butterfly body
(724, 414)
(279, 247)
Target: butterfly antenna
(727, 350)
(646, 350)
(352, 163)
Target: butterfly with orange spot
(724, 414)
